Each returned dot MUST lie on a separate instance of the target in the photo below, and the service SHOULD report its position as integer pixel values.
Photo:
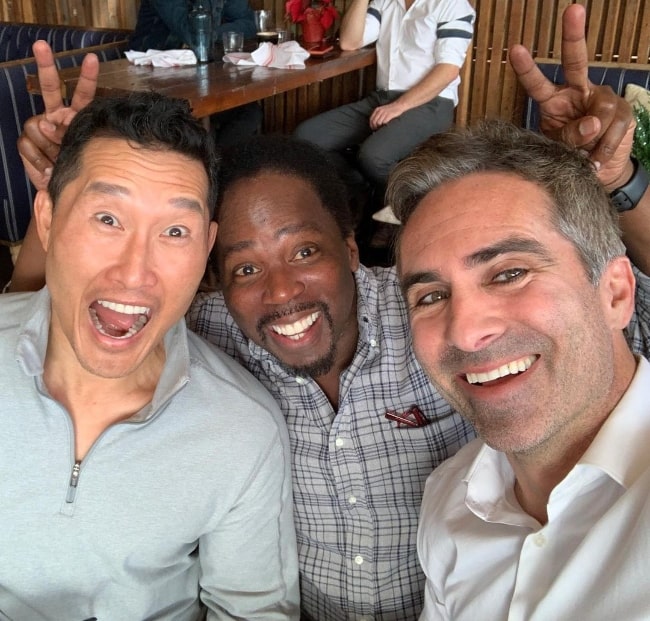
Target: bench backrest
(16, 40)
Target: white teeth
(294, 330)
(511, 368)
(126, 309)
(134, 329)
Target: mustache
(270, 318)
(455, 360)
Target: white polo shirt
(410, 43)
(487, 559)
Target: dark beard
(319, 367)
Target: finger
(616, 141)
(84, 92)
(582, 133)
(529, 75)
(36, 169)
(575, 58)
(48, 76)
(34, 146)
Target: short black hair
(288, 156)
(148, 119)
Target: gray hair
(582, 212)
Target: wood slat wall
(96, 13)
(618, 30)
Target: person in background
(521, 305)
(164, 25)
(145, 474)
(330, 339)
(421, 46)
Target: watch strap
(628, 196)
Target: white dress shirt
(410, 43)
(485, 558)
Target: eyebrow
(507, 246)
(115, 189)
(285, 230)
(480, 257)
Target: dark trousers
(348, 126)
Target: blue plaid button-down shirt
(358, 478)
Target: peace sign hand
(39, 143)
(580, 113)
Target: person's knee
(309, 131)
(376, 164)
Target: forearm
(430, 86)
(636, 233)
(352, 25)
(635, 223)
(29, 270)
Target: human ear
(43, 208)
(353, 252)
(212, 234)
(617, 288)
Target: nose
(282, 284)
(133, 265)
(474, 320)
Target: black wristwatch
(628, 196)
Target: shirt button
(358, 559)
(352, 500)
(339, 442)
(373, 343)
(539, 540)
(301, 380)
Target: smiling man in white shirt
(519, 294)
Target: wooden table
(215, 86)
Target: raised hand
(39, 143)
(580, 113)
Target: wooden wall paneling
(643, 45)
(496, 61)
(482, 34)
(557, 24)
(628, 33)
(612, 19)
(546, 23)
(104, 13)
(596, 21)
(515, 34)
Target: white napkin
(386, 215)
(162, 58)
(287, 55)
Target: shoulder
(444, 488)
(14, 307)
(220, 381)
(638, 330)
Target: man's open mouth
(511, 368)
(119, 321)
(295, 330)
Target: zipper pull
(74, 480)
